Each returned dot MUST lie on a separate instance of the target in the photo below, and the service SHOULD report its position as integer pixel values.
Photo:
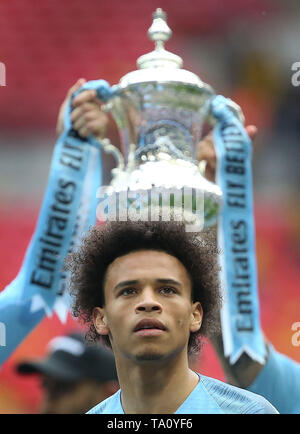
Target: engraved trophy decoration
(160, 110)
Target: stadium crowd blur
(245, 50)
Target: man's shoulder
(233, 399)
(285, 391)
(210, 396)
(111, 405)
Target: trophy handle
(105, 93)
(109, 148)
(236, 109)
(233, 106)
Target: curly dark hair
(198, 253)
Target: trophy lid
(156, 65)
(159, 32)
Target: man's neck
(155, 387)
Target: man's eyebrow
(169, 281)
(134, 282)
(125, 283)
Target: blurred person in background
(74, 375)
(279, 379)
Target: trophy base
(162, 190)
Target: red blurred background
(245, 50)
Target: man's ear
(100, 322)
(197, 316)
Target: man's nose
(148, 301)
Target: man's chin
(149, 357)
(148, 352)
(153, 353)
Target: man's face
(148, 311)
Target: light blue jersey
(279, 382)
(210, 396)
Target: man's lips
(149, 327)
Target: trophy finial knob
(159, 13)
(159, 32)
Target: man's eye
(168, 290)
(127, 291)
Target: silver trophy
(160, 110)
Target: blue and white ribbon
(68, 210)
(236, 234)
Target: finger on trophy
(60, 118)
(210, 172)
(252, 131)
(85, 109)
(83, 132)
(97, 127)
(206, 156)
(205, 148)
(75, 87)
(91, 121)
(78, 123)
(84, 97)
